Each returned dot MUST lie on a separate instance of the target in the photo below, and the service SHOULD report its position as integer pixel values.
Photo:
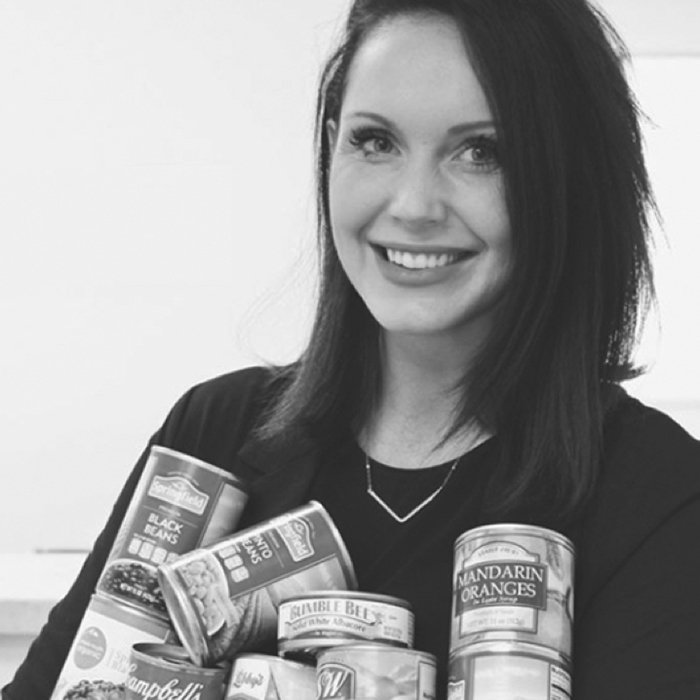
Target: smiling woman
(483, 207)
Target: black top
(410, 560)
(637, 612)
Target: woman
(483, 206)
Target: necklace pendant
(389, 510)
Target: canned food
(314, 621)
(261, 677)
(165, 671)
(376, 671)
(494, 670)
(223, 599)
(513, 582)
(180, 503)
(98, 661)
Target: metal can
(223, 599)
(494, 670)
(180, 503)
(317, 620)
(376, 671)
(513, 583)
(165, 671)
(98, 661)
(262, 677)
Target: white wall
(157, 224)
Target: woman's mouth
(427, 260)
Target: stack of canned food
(181, 603)
(512, 614)
(180, 503)
(290, 581)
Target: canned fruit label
(342, 618)
(155, 677)
(502, 675)
(383, 674)
(98, 661)
(503, 585)
(180, 503)
(513, 585)
(257, 677)
(234, 587)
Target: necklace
(419, 507)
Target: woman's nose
(418, 195)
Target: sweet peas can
(180, 503)
(223, 599)
(99, 659)
(513, 582)
(311, 622)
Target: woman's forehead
(415, 66)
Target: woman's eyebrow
(464, 127)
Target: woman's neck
(421, 392)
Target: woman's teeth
(419, 261)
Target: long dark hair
(578, 197)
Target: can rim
(237, 481)
(515, 529)
(107, 605)
(313, 646)
(272, 658)
(512, 648)
(377, 647)
(348, 567)
(173, 656)
(354, 595)
(186, 621)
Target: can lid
(374, 648)
(350, 595)
(239, 483)
(184, 617)
(174, 658)
(515, 529)
(270, 659)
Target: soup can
(316, 620)
(223, 599)
(180, 503)
(376, 672)
(496, 670)
(262, 677)
(513, 583)
(98, 662)
(165, 671)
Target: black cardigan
(637, 614)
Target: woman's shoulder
(650, 475)
(218, 414)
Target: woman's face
(416, 192)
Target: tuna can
(261, 677)
(310, 623)
(513, 583)
(180, 503)
(223, 599)
(165, 671)
(376, 672)
(494, 670)
(98, 661)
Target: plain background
(156, 219)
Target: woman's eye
(481, 153)
(371, 142)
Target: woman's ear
(332, 133)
